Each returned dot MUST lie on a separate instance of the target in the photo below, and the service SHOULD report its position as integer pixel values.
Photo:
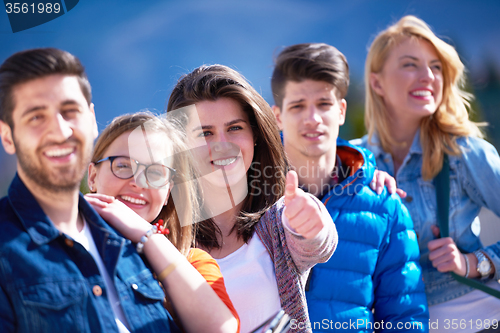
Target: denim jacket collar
(376, 148)
(37, 223)
(416, 148)
(31, 215)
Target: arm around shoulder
(197, 305)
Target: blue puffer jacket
(373, 281)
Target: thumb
(291, 185)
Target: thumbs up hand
(302, 211)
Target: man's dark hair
(33, 64)
(313, 61)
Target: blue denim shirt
(50, 283)
(474, 183)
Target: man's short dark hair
(33, 64)
(313, 61)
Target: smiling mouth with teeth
(59, 152)
(312, 135)
(133, 200)
(224, 162)
(423, 93)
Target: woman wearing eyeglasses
(131, 178)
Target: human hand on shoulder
(381, 179)
(302, 211)
(119, 216)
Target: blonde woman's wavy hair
(182, 237)
(438, 132)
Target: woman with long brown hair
(264, 250)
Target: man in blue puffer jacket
(373, 281)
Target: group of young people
(186, 228)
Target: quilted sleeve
(400, 300)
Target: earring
(255, 144)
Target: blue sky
(134, 51)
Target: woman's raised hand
(119, 216)
(302, 211)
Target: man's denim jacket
(474, 183)
(50, 283)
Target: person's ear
(343, 109)
(7, 138)
(91, 179)
(375, 84)
(277, 115)
(95, 131)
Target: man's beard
(56, 180)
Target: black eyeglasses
(123, 167)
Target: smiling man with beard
(62, 268)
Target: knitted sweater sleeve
(306, 253)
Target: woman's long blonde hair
(438, 132)
(182, 237)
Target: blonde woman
(416, 112)
(138, 176)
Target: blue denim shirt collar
(57, 275)
(31, 215)
(37, 223)
(416, 148)
(375, 147)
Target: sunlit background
(134, 51)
